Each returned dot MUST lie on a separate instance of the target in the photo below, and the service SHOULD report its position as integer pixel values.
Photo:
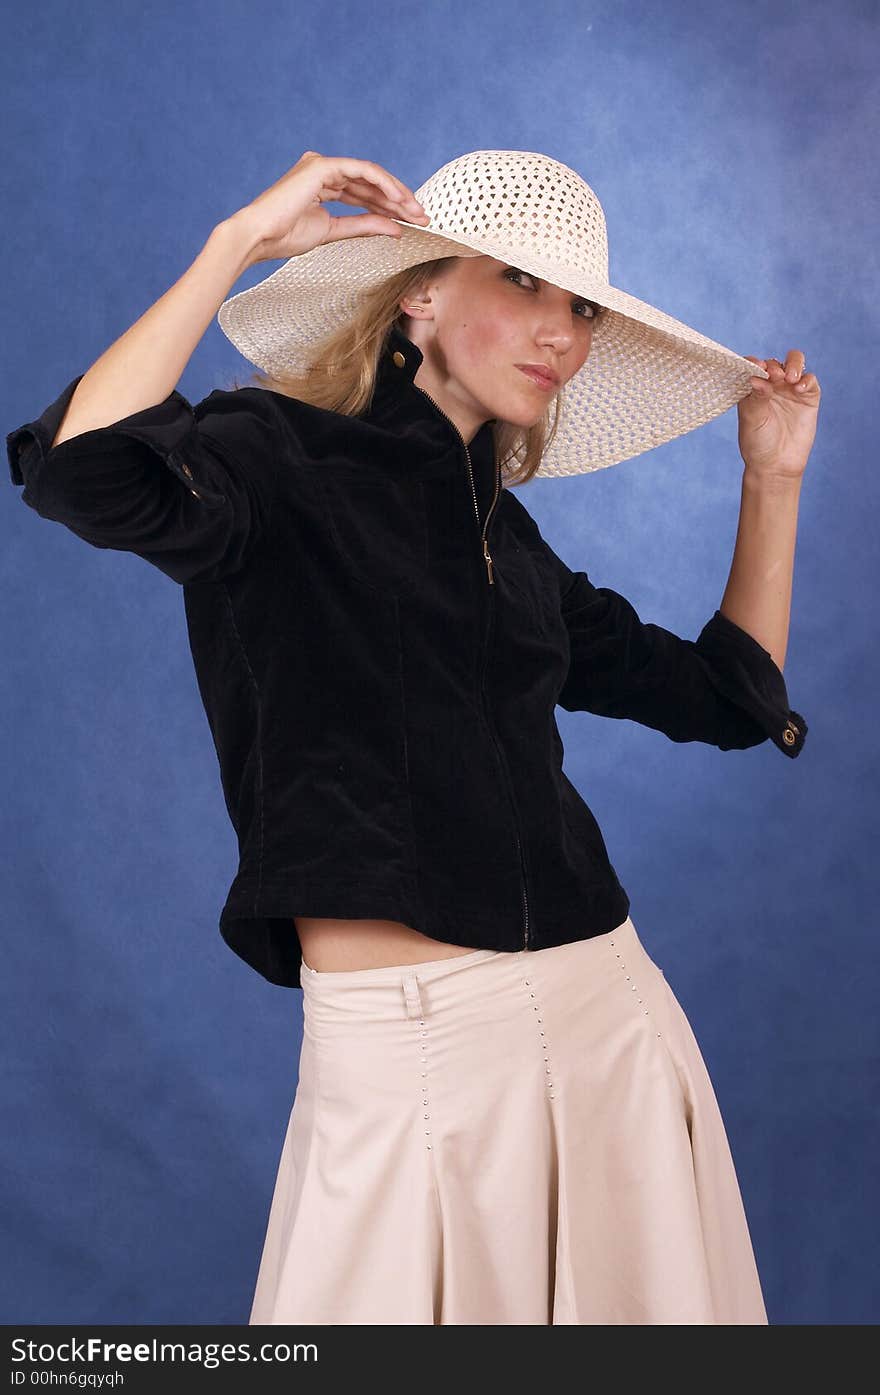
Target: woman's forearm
(145, 363)
(758, 592)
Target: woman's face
(475, 322)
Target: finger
(366, 172)
(794, 364)
(400, 192)
(361, 189)
(362, 225)
(361, 194)
(378, 204)
(391, 211)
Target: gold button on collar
(399, 358)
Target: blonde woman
(502, 1115)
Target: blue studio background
(147, 1072)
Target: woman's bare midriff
(330, 946)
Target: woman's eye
(513, 273)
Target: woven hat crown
(501, 200)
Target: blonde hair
(343, 372)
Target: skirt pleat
(505, 1138)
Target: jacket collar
(399, 404)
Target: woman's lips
(539, 378)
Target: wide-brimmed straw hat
(647, 378)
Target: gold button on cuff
(185, 468)
(398, 358)
(788, 736)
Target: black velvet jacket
(380, 636)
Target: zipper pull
(488, 562)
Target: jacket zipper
(486, 556)
(489, 572)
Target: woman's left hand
(777, 418)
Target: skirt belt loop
(413, 997)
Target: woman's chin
(521, 415)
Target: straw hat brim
(649, 377)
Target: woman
(502, 1115)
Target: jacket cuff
(169, 429)
(745, 673)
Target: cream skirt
(505, 1138)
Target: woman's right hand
(288, 218)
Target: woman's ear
(412, 304)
